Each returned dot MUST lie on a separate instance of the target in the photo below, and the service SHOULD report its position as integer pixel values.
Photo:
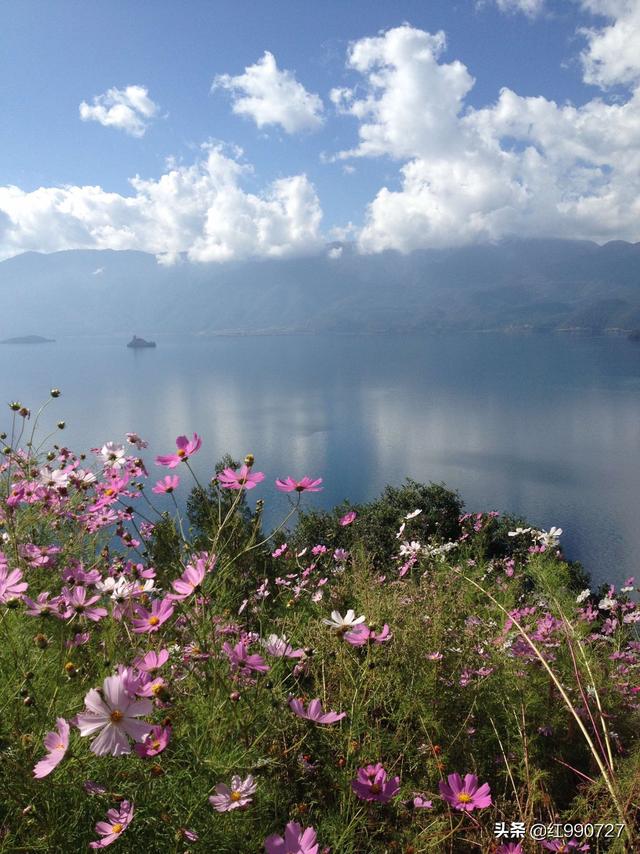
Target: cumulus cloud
(129, 109)
(271, 96)
(612, 54)
(200, 211)
(523, 166)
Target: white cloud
(612, 54)
(129, 109)
(270, 96)
(531, 8)
(520, 166)
(200, 211)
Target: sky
(220, 130)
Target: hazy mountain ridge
(513, 284)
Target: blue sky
(474, 165)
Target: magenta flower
(465, 795)
(314, 712)
(189, 581)
(56, 743)
(169, 483)
(154, 742)
(76, 602)
(363, 635)
(510, 848)
(185, 450)
(348, 518)
(296, 841)
(571, 845)
(280, 647)
(244, 478)
(150, 621)
(118, 820)
(11, 587)
(420, 802)
(373, 784)
(113, 715)
(41, 607)
(304, 485)
(239, 796)
(242, 662)
(152, 661)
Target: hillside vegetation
(400, 676)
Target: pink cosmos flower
(304, 485)
(169, 483)
(348, 518)
(154, 742)
(56, 743)
(244, 478)
(465, 795)
(362, 635)
(279, 647)
(118, 820)
(152, 661)
(189, 581)
(373, 784)
(11, 587)
(314, 712)
(185, 450)
(239, 796)
(114, 713)
(296, 841)
(420, 802)
(510, 848)
(150, 621)
(41, 607)
(134, 439)
(241, 661)
(77, 603)
(571, 845)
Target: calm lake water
(547, 427)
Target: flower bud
(234, 696)
(55, 392)
(61, 425)
(15, 405)
(249, 460)
(41, 641)
(28, 701)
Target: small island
(138, 343)
(28, 339)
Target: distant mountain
(27, 339)
(538, 285)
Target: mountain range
(514, 284)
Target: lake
(543, 426)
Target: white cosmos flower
(519, 532)
(341, 623)
(413, 514)
(113, 455)
(607, 603)
(551, 537)
(582, 596)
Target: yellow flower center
(464, 798)
(117, 828)
(181, 453)
(116, 716)
(235, 796)
(109, 491)
(157, 689)
(155, 744)
(153, 621)
(376, 788)
(60, 746)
